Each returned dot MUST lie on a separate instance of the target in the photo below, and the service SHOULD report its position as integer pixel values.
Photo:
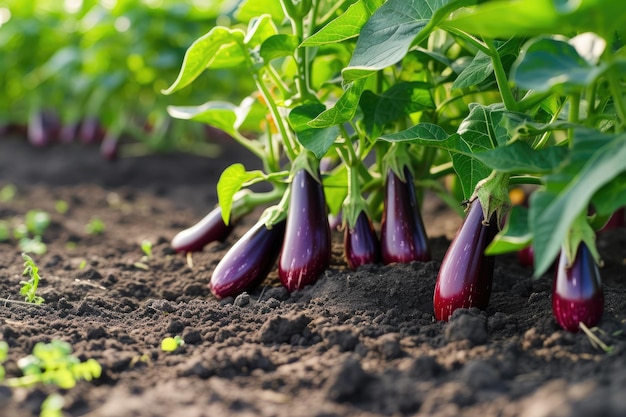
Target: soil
(356, 343)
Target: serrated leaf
(204, 51)
(278, 46)
(567, 193)
(231, 181)
(387, 36)
(519, 158)
(315, 140)
(346, 26)
(547, 64)
(396, 102)
(344, 109)
(514, 236)
(223, 115)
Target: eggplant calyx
(396, 159)
(493, 194)
(581, 231)
(308, 161)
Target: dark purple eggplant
(109, 147)
(526, 256)
(248, 261)
(466, 274)
(360, 242)
(91, 131)
(577, 294)
(210, 229)
(43, 128)
(307, 247)
(402, 234)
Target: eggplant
(577, 293)
(526, 256)
(360, 242)
(466, 273)
(307, 246)
(109, 147)
(43, 128)
(402, 234)
(616, 221)
(210, 229)
(91, 131)
(248, 261)
(69, 132)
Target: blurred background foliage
(78, 60)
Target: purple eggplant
(210, 229)
(466, 274)
(91, 131)
(307, 246)
(616, 221)
(43, 128)
(526, 256)
(109, 147)
(577, 294)
(360, 242)
(69, 132)
(402, 234)
(249, 261)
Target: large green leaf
(344, 109)
(259, 29)
(250, 9)
(396, 102)
(345, 26)
(315, 140)
(278, 46)
(595, 160)
(505, 18)
(203, 52)
(475, 73)
(546, 64)
(231, 181)
(519, 158)
(611, 196)
(387, 36)
(220, 114)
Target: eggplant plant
(408, 94)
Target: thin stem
(471, 39)
(503, 83)
(546, 135)
(574, 109)
(618, 100)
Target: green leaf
(504, 18)
(259, 29)
(396, 102)
(231, 181)
(278, 46)
(595, 161)
(546, 64)
(315, 140)
(611, 196)
(220, 114)
(519, 158)
(336, 189)
(387, 36)
(514, 236)
(476, 72)
(250, 9)
(346, 26)
(344, 109)
(203, 52)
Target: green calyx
(306, 160)
(493, 194)
(397, 158)
(580, 231)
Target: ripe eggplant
(307, 246)
(402, 235)
(207, 230)
(526, 256)
(109, 147)
(91, 131)
(577, 294)
(466, 274)
(360, 242)
(248, 261)
(43, 128)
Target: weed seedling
(95, 226)
(146, 247)
(61, 206)
(7, 193)
(170, 344)
(29, 288)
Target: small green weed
(170, 344)
(29, 288)
(95, 226)
(146, 247)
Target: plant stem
(503, 83)
(574, 108)
(618, 99)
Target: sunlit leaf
(278, 46)
(231, 181)
(316, 140)
(514, 236)
(344, 109)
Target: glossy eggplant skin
(402, 234)
(466, 274)
(307, 246)
(248, 261)
(211, 228)
(577, 293)
(360, 243)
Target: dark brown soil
(361, 343)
